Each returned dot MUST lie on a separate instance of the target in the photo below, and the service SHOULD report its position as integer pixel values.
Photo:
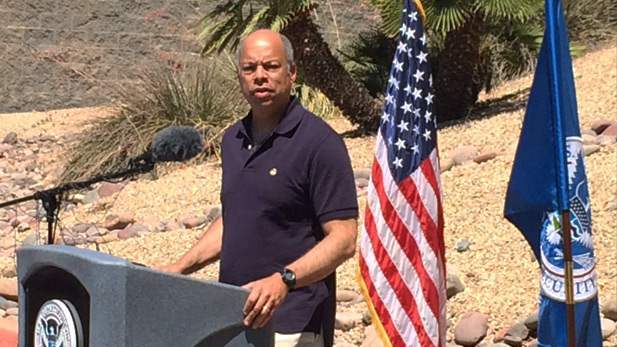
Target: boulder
(609, 308)
(463, 154)
(471, 329)
(8, 288)
(454, 285)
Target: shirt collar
(288, 122)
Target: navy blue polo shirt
(275, 198)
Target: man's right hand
(172, 268)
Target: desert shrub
(204, 95)
(315, 101)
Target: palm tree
(462, 65)
(229, 22)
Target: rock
(108, 189)
(31, 240)
(6, 304)
(609, 308)
(10, 271)
(346, 320)
(600, 125)
(533, 343)
(91, 197)
(139, 229)
(531, 322)
(194, 222)
(171, 225)
(126, 233)
(611, 130)
(604, 140)
(446, 164)
(96, 231)
(589, 139)
(13, 311)
(118, 221)
(109, 238)
(471, 329)
(77, 199)
(499, 336)
(463, 154)
(94, 239)
(463, 245)
(455, 285)
(10, 138)
(484, 157)
(361, 183)
(362, 173)
(371, 338)
(590, 149)
(214, 211)
(366, 318)
(516, 334)
(151, 222)
(344, 295)
(8, 288)
(608, 328)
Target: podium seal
(57, 325)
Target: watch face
(57, 324)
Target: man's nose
(260, 73)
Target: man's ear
(292, 72)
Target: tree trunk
(458, 82)
(323, 70)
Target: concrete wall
(71, 53)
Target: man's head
(266, 71)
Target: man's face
(264, 78)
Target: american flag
(402, 255)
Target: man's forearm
(206, 251)
(338, 246)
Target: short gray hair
(289, 52)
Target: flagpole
(569, 278)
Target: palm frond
(446, 15)
(510, 9)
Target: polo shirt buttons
(273, 172)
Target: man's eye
(272, 67)
(248, 68)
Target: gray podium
(116, 303)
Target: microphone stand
(51, 197)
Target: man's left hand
(267, 294)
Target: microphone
(176, 143)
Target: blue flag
(548, 176)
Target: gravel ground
(501, 278)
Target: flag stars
(403, 126)
(416, 129)
(385, 117)
(429, 99)
(407, 89)
(413, 16)
(389, 99)
(427, 135)
(427, 116)
(423, 39)
(421, 57)
(416, 113)
(415, 148)
(398, 162)
(400, 143)
(398, 65)
(419, 75)
(417, 93)
(403, 28)
(410, 33)
(392, 81)
(402, 47)
(430, 80)
(406, 107)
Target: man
(289, 203)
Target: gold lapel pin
(273, 172)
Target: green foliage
(315, 101)
(591, 21)
(229, 22)
(200, 95)
(368, 58)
